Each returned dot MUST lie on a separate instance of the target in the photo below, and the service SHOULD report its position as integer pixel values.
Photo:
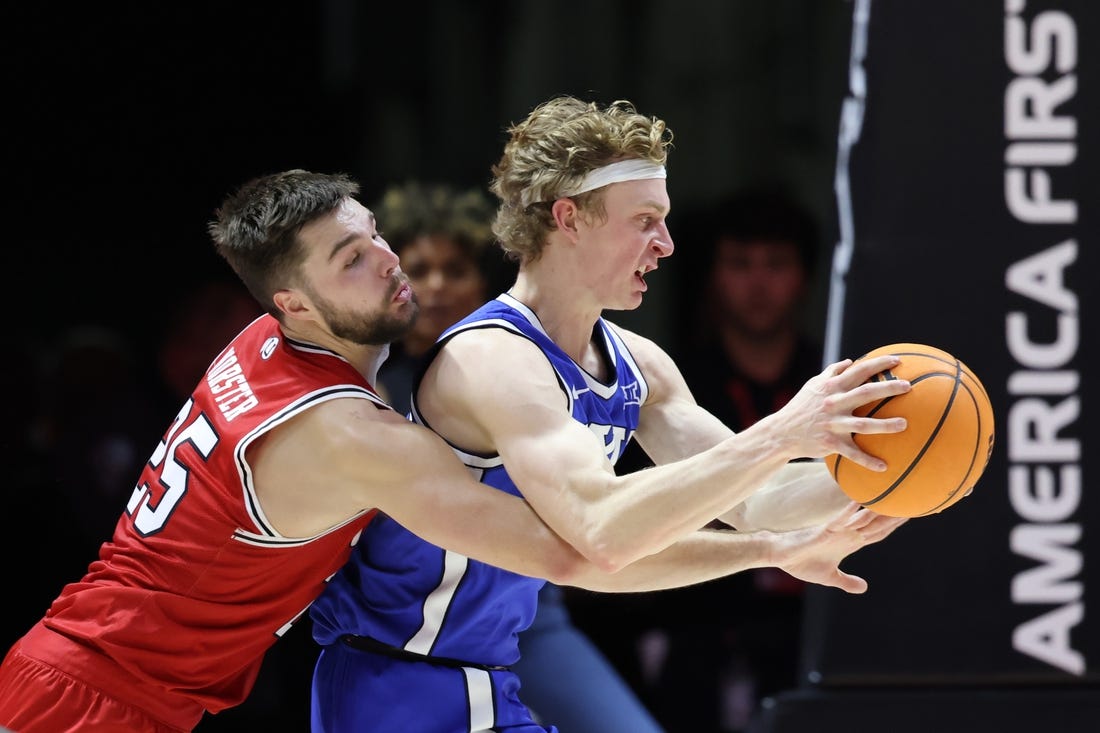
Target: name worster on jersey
(231, 390)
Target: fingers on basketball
(945, 448)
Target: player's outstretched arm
(491, 391)
(798, 495)
(346, 456)
(674, 426)
(812, 554)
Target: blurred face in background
(758, 286)
(447, 282)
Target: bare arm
(812, 554)
(344, 456)
(674, 426)
(798, 495)
(490, 390)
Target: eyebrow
(351, 237)
(340, 244)
(654, 204)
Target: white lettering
(1033, 427)
(612, 437)
(1050, 544)
(1047, 30)
(1060, 382)
(241, 409)
(1030, 102)
(1044, 473)
(226, 360)
(1040, 277)
(1047, 638)
(1036, 207)
(1029, 107)
(228, 386)
(1041, 499)
(1034, 154)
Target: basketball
(942, 452)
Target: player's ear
(565, 213)
(292, 302)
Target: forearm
(703, 555)
(812, 554)
(644, 512)
(798, 495)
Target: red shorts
(37, 697)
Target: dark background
(128, 122)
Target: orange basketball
(945, 447)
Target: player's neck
(366, 359)
(566, 311)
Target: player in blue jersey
(444, 238)
(538, 394)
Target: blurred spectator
(446, 248)
(736, 640)
(749, 349)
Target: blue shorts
(356, 691)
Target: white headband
(633, 169)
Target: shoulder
(491, 347)
(343, 423)
(483, 383)
(650, 357)
(657, 366)
(484, 361)
(337, 443)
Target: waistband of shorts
(368, 644)
(100, 672)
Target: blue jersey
(415, 597)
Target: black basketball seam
(973, 456)
(977, 382)
(887, 400)
(931, 438)
(923, 355)
(960, 369)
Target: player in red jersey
(260, 486)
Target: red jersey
(196, 584)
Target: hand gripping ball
(946, 446)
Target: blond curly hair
(558, 143)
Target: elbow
(610, 553)
(610, 542)
(580, 566)
(610, 562)
(569, 569)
